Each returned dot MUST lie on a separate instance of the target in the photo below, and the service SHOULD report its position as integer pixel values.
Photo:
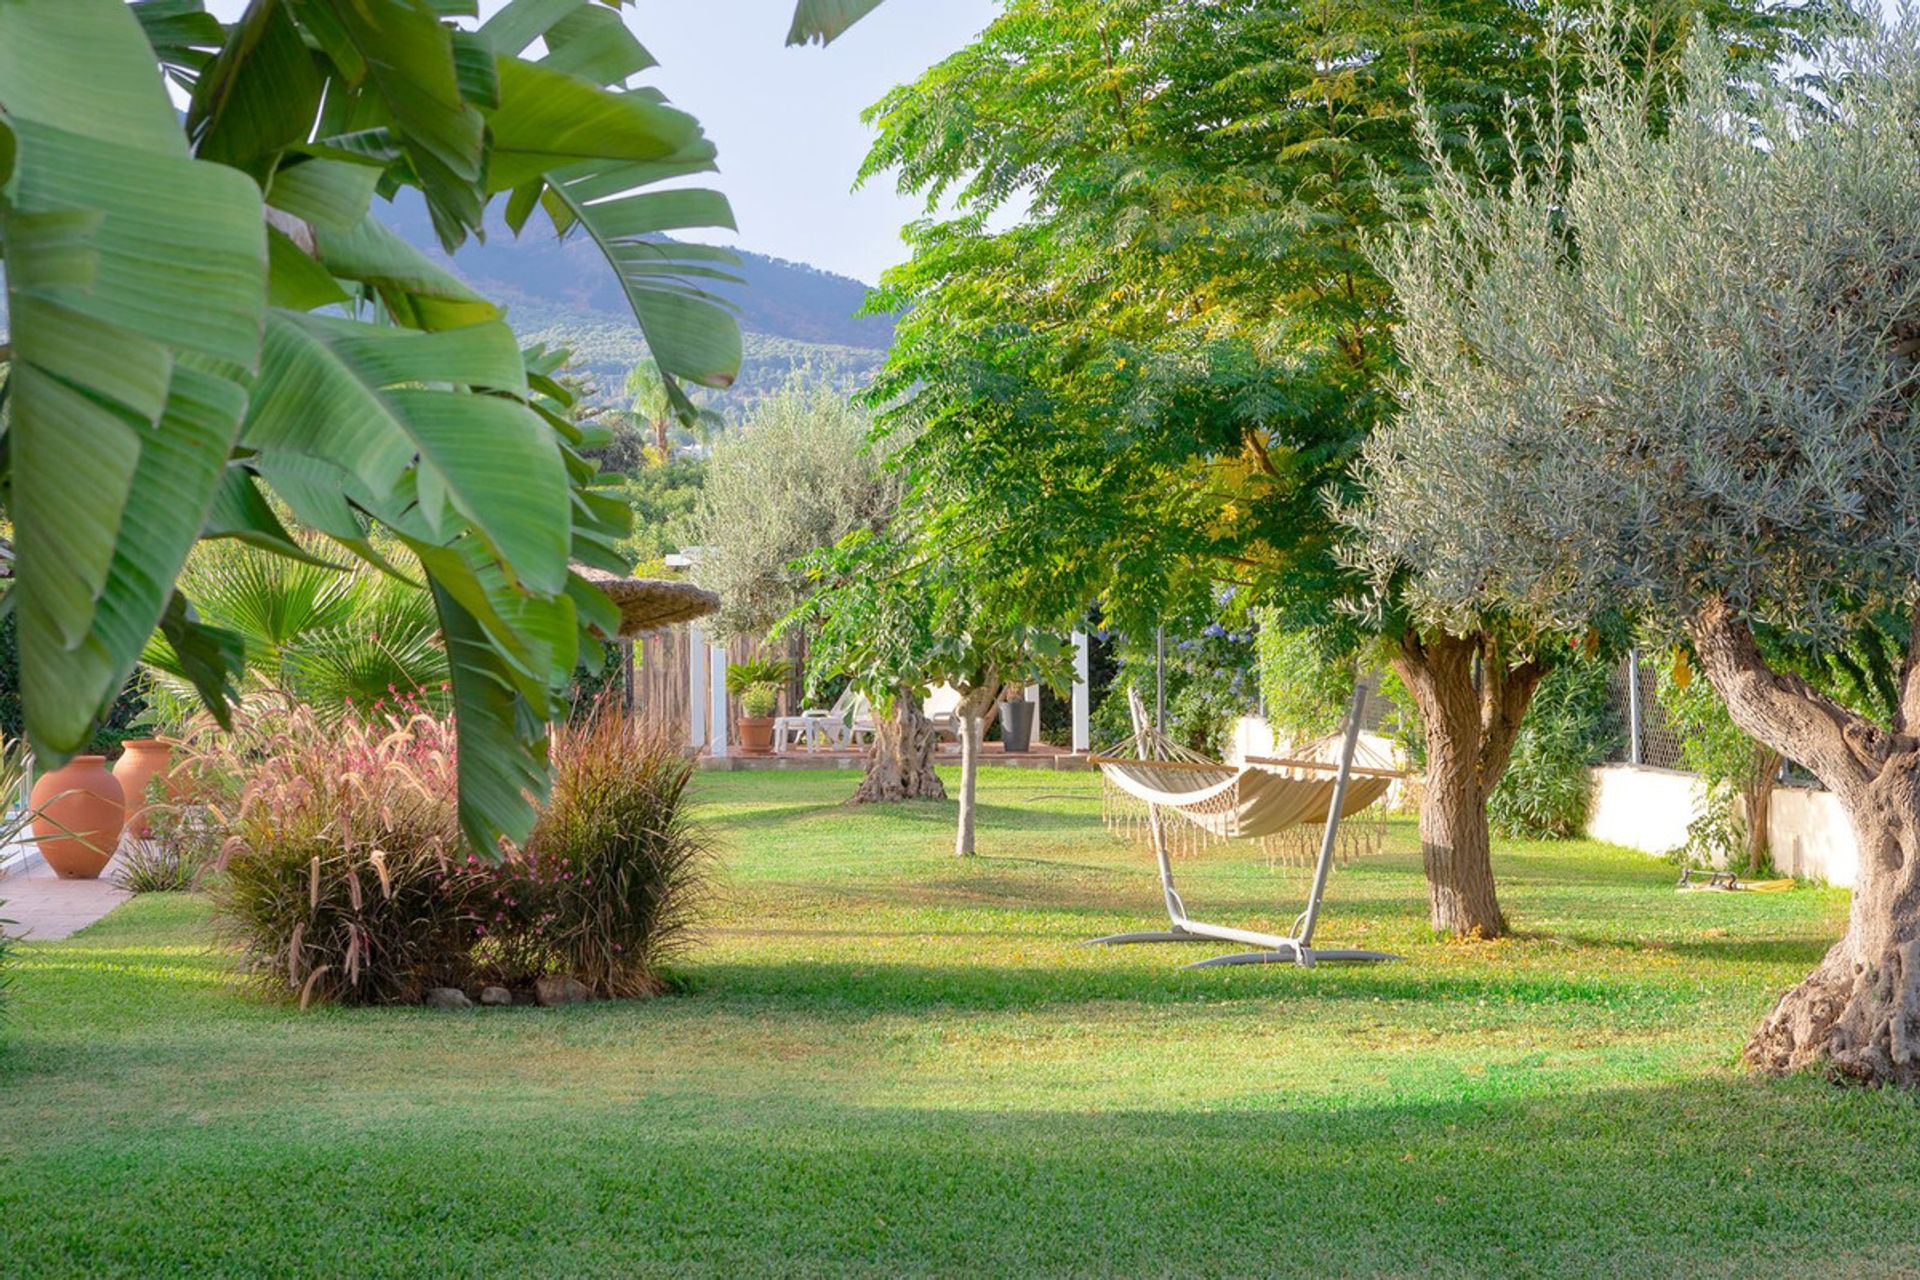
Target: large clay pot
(755, 733)
(78, 813)
(145, 759)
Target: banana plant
(212, 331)
(826, 20)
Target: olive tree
(796, 480)
(898, 614)
(797, 477)
(1672, 370)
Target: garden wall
(1649, 809)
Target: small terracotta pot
(145, 760)
(756, 732)
(79, 811)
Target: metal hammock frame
(1295, 947)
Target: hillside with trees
(792, 316)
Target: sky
(787, 121)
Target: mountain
(791, 315)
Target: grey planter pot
(1016, 724)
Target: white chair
(942, 707)
(837, 726)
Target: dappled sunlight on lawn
(876, 1047)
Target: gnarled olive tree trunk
(1858, 1013)
(975, 704)
(900, 766)
(1471, 703)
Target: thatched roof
(647, 604)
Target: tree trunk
(975, 703)
(1756, 806)
(1471, 704)
(1858, 1014)
(901, 764)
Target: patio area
(41, 907)
(1040, 755)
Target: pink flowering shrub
(343, 875)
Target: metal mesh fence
(1648, 739)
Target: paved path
(45, 908)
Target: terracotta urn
(755, 733)
(78, 813)
(145, 759)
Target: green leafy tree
(651, 406)
(1736, 772)
(1686, 348)
(1155, 380)
(204, 310)
(897, 619)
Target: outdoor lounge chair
(838, 726)
(942, 708)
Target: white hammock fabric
(1245, 803)
(1284, 804)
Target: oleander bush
(1547, 790)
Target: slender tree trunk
(1857, 1015)
(1756, 806)
(901, 764)
(1471, 704)
(975, 703)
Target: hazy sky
(787, 121)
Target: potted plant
(758, 680)
(757, 703)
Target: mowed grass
(886, 1060)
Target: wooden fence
(661, 691)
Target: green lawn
(887, 1060)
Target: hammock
(1283, 803)
(1175, 796)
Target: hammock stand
(1201, 804)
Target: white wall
(1649, 809)
(1253, 736)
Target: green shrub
(759, 699)
(183, 842)
(1548, 789)
(1737, 776)
(1210, 683)
(616, 872)
(1303, 690)
(344, 873)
